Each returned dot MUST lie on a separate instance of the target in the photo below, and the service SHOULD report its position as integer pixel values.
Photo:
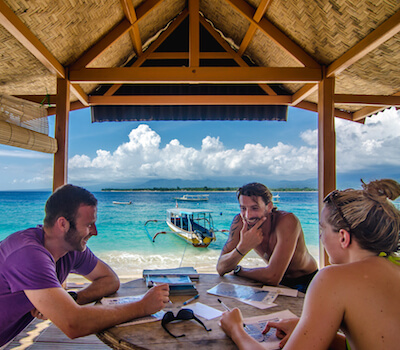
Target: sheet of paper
(203, 310)
(258, 304)
(123, 300)
(289, 292)
(250, 295)
(257, 324)
(151, 318)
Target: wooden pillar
(60, 171)
(326, 148)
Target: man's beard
(73, 239)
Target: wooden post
(194, 34)
(326, 148)
(60, 170)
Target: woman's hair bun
(382, 188)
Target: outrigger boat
(195, 226)
(193, 197)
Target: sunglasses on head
(182, 315)
(331, 197)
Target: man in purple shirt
(35, 262)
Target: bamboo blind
(24, 124)
(14, 135)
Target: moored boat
(122, 203)
(193, 197)
(195, 226)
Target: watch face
(74, 295)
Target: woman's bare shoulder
(364, 273)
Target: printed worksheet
(251, 295)
(255, 326)
(123, 300)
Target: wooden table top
(153, 336)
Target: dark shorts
(300, 283)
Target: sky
(128, 154)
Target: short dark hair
(255, 189)
(65, 202)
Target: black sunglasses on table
(182, 315)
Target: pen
(155, 284)
(228, 309)
(191, 299)
(223, 304)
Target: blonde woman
(359, 293)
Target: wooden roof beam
(275, 34)
(367, 100)
(261, 9)
(154, 45)
(182, 100)
(185, 55)
(96, 50)
(130, 14)
(72, 107)
(303, 93)
(239, 75)
(234, 55)
(122, 28)
(311, 106)
(194, 33)
(133, 17)
(14, 25)
(384, 32)
(367, 111)
(80, 94)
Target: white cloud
(310, 137)
(23, 154)
(375, 144)
(358, 147)
(143, 157)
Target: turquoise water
(125, 245)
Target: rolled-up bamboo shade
(14, 135)
(24, 113)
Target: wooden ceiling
(284, 47)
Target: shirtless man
(276, 236)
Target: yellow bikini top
(393, 258)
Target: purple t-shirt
(25, 264)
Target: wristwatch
(74, 295)
(237, 270)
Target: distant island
(201, 189)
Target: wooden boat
(193, 197)
(195, 226)
(123, 203)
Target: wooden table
(153, 336)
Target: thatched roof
(355, 41)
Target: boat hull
(193, 198)
(189, 237)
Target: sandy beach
(133, 267)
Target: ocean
(125, 245)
